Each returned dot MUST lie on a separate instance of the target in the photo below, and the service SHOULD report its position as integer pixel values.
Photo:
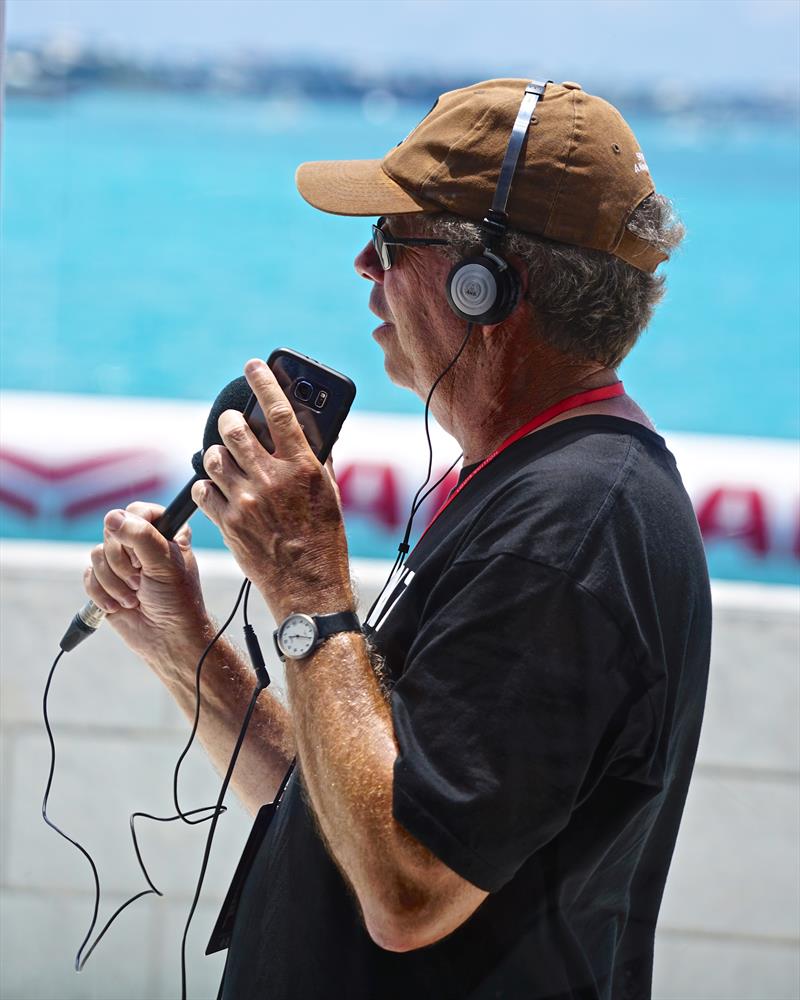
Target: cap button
(571, 85)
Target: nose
(368, 265)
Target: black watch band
(310, 631)
(340, 621)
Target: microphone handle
(90, 617)
(179, 511)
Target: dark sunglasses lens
(381, 249)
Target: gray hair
(585, 303)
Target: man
(490, 782)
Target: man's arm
(280, 517)
(151, 590)
(347, 750)
(227, 687)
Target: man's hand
(279, 513)
(149, 586)
(151, 590)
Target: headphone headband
(496, 220)
(483, 288)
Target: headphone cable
(244, 592)
(420, 497)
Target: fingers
(106, 589)
(122, 561)
(225, 470)
(286, 432)
(209, 499)
(150, 512)
(139, 536)
(131, 545)
(96, 593)
(184, 537)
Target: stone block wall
(729, 926)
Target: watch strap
(340, 621)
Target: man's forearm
(346, 746)
(227, 684)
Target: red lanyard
(570, 403)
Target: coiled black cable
(213, 812)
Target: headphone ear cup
(482, 289)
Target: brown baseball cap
(579, 177)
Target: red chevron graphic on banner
(20, 504)
(66, 470)
(95, 482)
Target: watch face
(297, 636)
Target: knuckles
(232, 427)
(212, 459)
(280, 414)
(143, 509)
(316, 481)
(239, 434)
(246, 509)
(200, 491)
(314, 472)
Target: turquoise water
(152, 242)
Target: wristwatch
(299, 635)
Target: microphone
(234, 396)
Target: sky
(731, 43)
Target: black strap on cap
(496, 221)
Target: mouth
(383, 326)
(380, 329)
(374, 309)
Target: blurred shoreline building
(66, 64)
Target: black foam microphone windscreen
(234, 396)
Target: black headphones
(484, 288)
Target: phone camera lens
(303, 390)
(321, 400)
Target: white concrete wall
(729, 927)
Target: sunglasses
(383, 241)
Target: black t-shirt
(546, 648)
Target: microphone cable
(213, 812)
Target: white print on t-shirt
(395, 588)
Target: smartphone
(320, 397)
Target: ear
(523, 274)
